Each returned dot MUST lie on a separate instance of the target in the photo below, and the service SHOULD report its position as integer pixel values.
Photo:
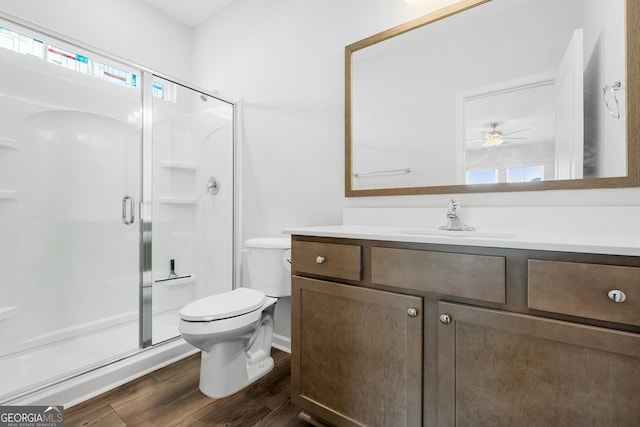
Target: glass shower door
(193, 149)
(70, 176)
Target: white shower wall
(69, 159)
(192, 142)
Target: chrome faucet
(454, 218)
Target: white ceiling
(190, 12)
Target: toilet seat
(222, 306)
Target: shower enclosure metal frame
(143, 207)
(146, 219)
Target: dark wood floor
(170, 397)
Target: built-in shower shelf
(177, 281)
(8, 312)
(179, 165)
(8, 195)
(178, 201)
(9, 143)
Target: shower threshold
(31, 371)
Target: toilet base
(234, 354)
(260, 370)
(226, 370)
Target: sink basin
(453, 233)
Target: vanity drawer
(479, 277)
(582, 290)
(327, 259)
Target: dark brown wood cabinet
(411, 334)
(508, 369)
(478, 277)
(584, 291)
(356, 354)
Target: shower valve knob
(213, 185)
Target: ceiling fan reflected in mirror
(497, 137)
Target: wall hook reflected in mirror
(609, 94)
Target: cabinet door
(356, 354)
(506, 369)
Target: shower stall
(116, 207)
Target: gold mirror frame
(632, 52)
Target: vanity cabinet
(478, 277)
(356, 353)
(587, 290)
(337, 261)
(408, 334)
(508, 369)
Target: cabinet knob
(445, 319)
(412, 312)
(616, 295)
(319, 259)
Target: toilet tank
(268, 265)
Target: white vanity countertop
(597, 243)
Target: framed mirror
(496, 95)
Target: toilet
(234, 329)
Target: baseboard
(281, 342)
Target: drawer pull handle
(319, 260)
(445, 319)
(412, 312)
(616, 296)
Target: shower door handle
(128, 215)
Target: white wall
(285, 59)
(128, 29)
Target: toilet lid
(221, 306)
